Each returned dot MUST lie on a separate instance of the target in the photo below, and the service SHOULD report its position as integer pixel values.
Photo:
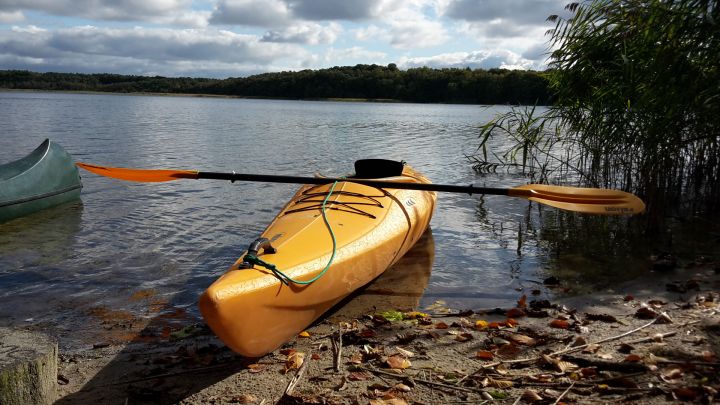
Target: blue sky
(230, 38)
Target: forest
(369, 82)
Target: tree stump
(28, 368)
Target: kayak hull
(253, 312)
(44, 178)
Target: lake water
(131, 247)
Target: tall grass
(637, 104)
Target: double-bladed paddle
(585, 200)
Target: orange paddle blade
(579, 199)
(139, 174)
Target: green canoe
(44, 178)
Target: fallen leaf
(522, 302)
(481, 324)
(356, 358)
(304, 334)
(358, 376)
(685, 394)
(402, 387)
(441, 325)
(415, 315)
(628, 298)
(588, 372)
(632, 358)
(315, 356)
(508, 351)
(256, 368)
(398, 362)
(515, 313)
(287, 352)
(645, 313)
(391, 401)
(503, 384)
(463, 337)
(484, 355)
(392, 316)
(406, 353)
(294, 361)
(531, 396)
(522, 339)
(591, 348)
(559, 324)
(244, 399)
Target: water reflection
(400, 287)
(42, 238)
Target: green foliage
(637, 101)
(423, 85)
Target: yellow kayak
(260, 302)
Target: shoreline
(227, 96)
(649, 343)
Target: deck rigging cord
(284, 278)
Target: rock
(28, 368)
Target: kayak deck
(253, 311)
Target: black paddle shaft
(470, 189)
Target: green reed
(637, 104)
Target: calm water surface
(128, 246)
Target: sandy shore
(648, 342)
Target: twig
(575, 348)
(557, 401)
(427, 382)
(649, 338)
(336, 341)
(691, 363)
(296, 379)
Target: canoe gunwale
(37, 155)
(41, 196)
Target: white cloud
(11, 16)
(351, 10)
(305, 33)
(516, 12)
(416, 33)
(119, 10)
(475, 60)
(249, 12)
(138, 50)
(352, 56)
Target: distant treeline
(420, 85)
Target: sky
(235, 38)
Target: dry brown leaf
(522, 302)
(244, 399)
(632, 358)
(591, 348)
(559, 324)
(441, 325)
(256, 368)
(463, 337)
(294, 361)
(522, 339)
(484, 355)
(398, 362)
(515, 313)
(402, 387)
(502, 384)
(390, 401)
(531, 396)
(406, 353)
(356, 358)
(358, 376)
